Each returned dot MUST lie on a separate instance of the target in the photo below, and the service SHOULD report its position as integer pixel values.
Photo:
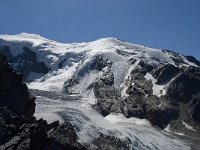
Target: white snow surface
(75, 55)
(89, 123)
(120, 118)
(75, 58)
(158, 90)
(188, 126)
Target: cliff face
(18, 128)
(154, 93)
(13, 92)
(25, 63)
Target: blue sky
(169, 24)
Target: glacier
(66, 60)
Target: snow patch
(188, 126)
(167, 129)
(53, 81)
(158, 90)
(123, 91)
(119, 70)
(178, 133)
(48, 112)
(120, 118)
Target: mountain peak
(111, 39)
(29, 35)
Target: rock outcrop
(165, 73)
(185, 86)
(182, 86)
(25, 63)
(105, 142)
(25, 132)
(13, 92)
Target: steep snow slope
(78, 62)
(64, 60)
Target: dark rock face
(194, 108)
(161, 113)
(25, 132)
(178, 60)
(142, 103)
(25, 63)
(108, 97)
(18, 128)
(105, 142)
(145, 66)
(165, 73)
(13, 93)
(184, 87)
(192, 59)
(133, 106)
(64, 137)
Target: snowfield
(75, 55)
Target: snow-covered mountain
(112, 91)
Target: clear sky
(169, 24)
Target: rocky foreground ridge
(19, 130)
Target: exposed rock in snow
(158, 90)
